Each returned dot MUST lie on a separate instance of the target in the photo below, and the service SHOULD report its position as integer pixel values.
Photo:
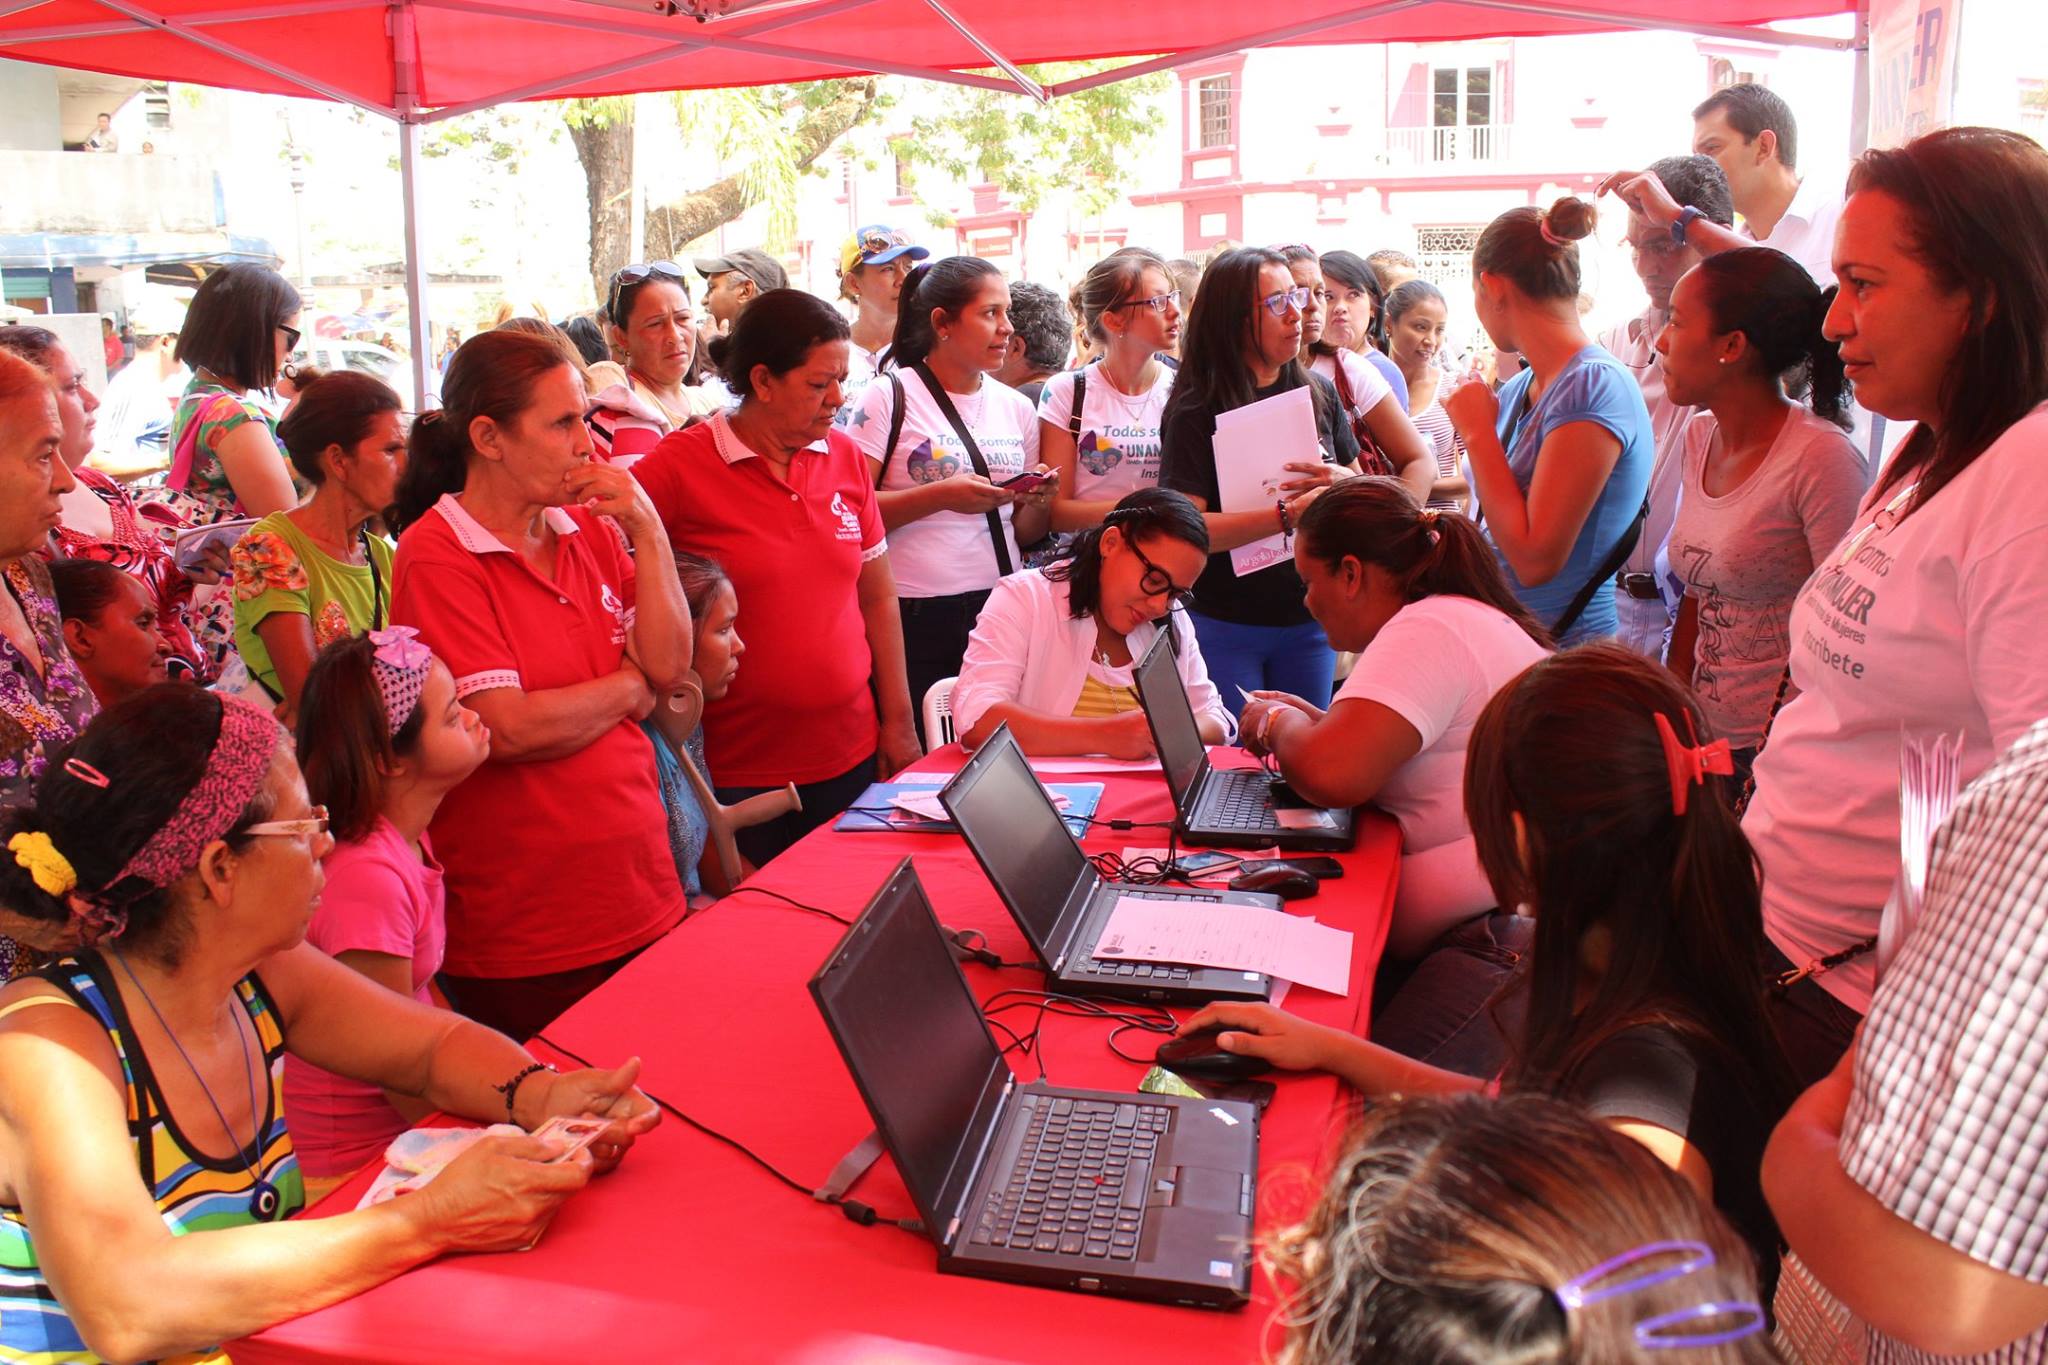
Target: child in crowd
(714, 660)
(1053, 651)
(382, 739)
(1468, 1231)
(1594, 804)
(111, 627)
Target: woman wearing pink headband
(176, 836)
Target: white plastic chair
(938, 713)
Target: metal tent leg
(415, 266)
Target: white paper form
(1254, 445)
(1240, 938)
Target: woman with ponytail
(1053, 651)
(1595, 803)
(1768, 485)
(942, 436)
(513, 566)
(1417, 595)
(147, 1168)
(1561, 457)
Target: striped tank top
(1107, 691)
(194, 1193)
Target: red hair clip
(1689, 765)
(86, 773)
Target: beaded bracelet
(510, 1089)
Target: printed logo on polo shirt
(929, 466)
(1098, 453)
(849, 520)
(622, 619)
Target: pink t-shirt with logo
(380, 897)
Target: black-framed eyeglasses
(1157, 303)
(1296, 298)
(291, 337)
(634, 274)
(1157, 580)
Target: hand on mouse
(1283, 1039)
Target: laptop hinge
(1073, 913)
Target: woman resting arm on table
(1641, 999)
(1053, 651)
(176, 833)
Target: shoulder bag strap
(1004, 566)
(1074, 417)
(376, 583)
(1371, 459)
(1609, 567)
(895, 423)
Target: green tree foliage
(1088, 142)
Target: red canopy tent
(420, 61)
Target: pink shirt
(379, 898)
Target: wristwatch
(1682, 222)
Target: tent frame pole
(405, 94)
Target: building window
(905, 175)
(1212, 113)
(1724, 73)
(1461, 113)
(1443, 255)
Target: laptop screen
(912, 1035)
(1173, 720)
(1018, 836)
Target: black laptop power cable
(866, 1215)
(1156, 1019)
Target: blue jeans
(1295, 659)
(1444, 1010)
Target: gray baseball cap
(757, 265)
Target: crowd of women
(305, 837)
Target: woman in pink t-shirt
(382, 739)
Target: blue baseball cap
(877, 244)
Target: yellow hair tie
(52, 871)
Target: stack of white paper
(1240, 938)
(1254, 445)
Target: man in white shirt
(103, 137)
(1646, 594)
(1750, 133)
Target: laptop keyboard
(1239, 800)
(1145, 971)
(1079, 1185)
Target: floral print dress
(136, 546)
(39, 713)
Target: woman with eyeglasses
(148, 1177)
(1388, 442)
(651, 324)
(225, 462)
(1927, 619)
(1355, 321)
(1243, 343)
(943, 437)
(1561, 457)
(1053, 653)
(1130, 308)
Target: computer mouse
(1196, 1054)
(1288, 883)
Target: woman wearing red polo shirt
(557, 857)
(783, 500)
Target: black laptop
(1142, 1196)
(1058, 898)
(1226, 808)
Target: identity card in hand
(573, 1132)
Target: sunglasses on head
(875, 243)
(634, 274)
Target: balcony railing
(123, 192)
(1486, 143)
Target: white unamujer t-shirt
(1936, 627)
(1117, 451)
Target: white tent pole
(1239, 44)
(1008, 68)
(1859, 96)
(405, 89)
(1622, 19)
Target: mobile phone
(1030, 481)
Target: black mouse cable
(856, 1212)
(1148, 1018)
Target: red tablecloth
(690, 1252)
